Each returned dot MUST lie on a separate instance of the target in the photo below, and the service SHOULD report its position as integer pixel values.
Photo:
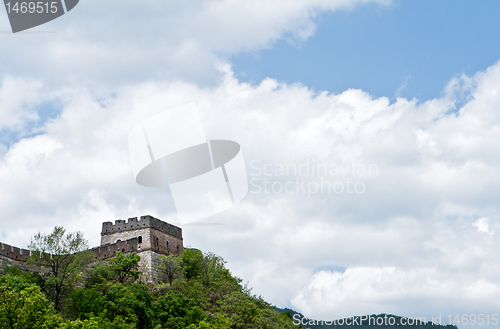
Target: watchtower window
(177, 248)
(167, 244)
(139, 239)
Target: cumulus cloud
(408, 240)
(482, 225)
(375, 290)
(18, 98)
(116, 41)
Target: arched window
(118, 240)
(177, 248)
(139, 239)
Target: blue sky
(410, 49)
(424, 237)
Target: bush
(24, 306)
(202, 294)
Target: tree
(64, 254)
(99, 273)
(96, 322)
(218, 322)
(132, 302)
(177, 311)
(124, 267)
(170, 267)
(191, 263)
(24, 306)
(211, 266)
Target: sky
(369, 131)
(409, 49)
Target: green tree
(191, 263)
(99, 274)
(24, 306)
(218, 322)
(96, 322)
(171, 267)
(131, 302)
(64, 254)
(211, 266)
(176, 311)
(125, 266)
(84, 303)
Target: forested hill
(197, 292)
(374, 321)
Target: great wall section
(147, 236)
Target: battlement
(14, 253)
(144, 222)
(101, 252)
(148, 236)
(109, 250)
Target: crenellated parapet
(109, 250)
(135, 223)
(99, 253)
(14, 253)
(149, 237)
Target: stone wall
(108, 228)
(156, 275)
(13, 256)
(148, 264)
(109, 250)
(6, 261)
(165, 244)
(150, 257)
(14, 252)
(149, 237)
(144, 239)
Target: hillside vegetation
(197, 291)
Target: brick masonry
(13, 256)
(149, 237)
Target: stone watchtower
(149, 237)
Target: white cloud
(482, 225)
(375, 290)
(421, 236)
(408, 241)
(18, 98)
(115, 41)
